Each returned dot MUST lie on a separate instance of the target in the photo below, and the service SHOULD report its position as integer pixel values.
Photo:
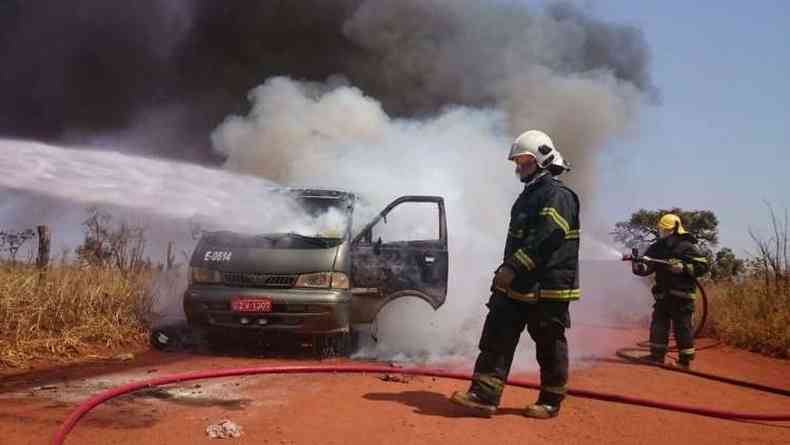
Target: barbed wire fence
(12, 241)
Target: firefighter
(534, 285)
(675, 289)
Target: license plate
(251, 304)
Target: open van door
(402, 252)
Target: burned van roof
(317, 193)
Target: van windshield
(326, 218)
(320, 217)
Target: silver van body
(316, 285)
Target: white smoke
(333, 135)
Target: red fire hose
(96, 400)
(629, 354)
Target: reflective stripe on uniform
(682, 294)
(524, 259)
(491, 382)
(554, 389)
(529, 297)
(557, 218)
(516, 233)
(573, 234)
(560, 294)
(699, 259)
(689, 351)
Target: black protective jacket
(675, 248)
(543, 242)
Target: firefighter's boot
(542, 411)
(472, 400)
(652, 359)
(684, 363)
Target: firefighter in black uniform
(534, 285)
(675, 289)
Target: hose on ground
(624, 354)
(627, 354)
(86, 406)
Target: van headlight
(323, 280)
(204, 275)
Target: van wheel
(332, 345)
(218, 340)
(354, 341)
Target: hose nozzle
(633, 256)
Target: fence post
(170, 256)
(42, 262)
(43, 247)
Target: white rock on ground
(225, 429)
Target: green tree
(640, 229)
(726, 265)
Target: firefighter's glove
(676, 267)
(503, 278)
(639, 267)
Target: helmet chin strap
(530, 179)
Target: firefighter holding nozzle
(676, 260)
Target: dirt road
(342, 409)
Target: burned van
(319, 280)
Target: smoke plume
(85, 71)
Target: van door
(402, 252)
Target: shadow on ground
(430, 403)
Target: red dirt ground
(342, 409)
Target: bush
(748, 315)
(70, 310)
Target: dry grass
(748, 316)
(70, 312)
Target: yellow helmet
(671, 222)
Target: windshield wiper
(310, 239)
(269, 237)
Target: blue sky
(719, 140)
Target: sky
(719, 138)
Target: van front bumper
(300, 311)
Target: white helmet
(535, 143)
(559, 165)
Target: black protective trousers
(546, 322)
(678, 312)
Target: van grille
(240, 279)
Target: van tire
(333, 345)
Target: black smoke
(163, 73)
